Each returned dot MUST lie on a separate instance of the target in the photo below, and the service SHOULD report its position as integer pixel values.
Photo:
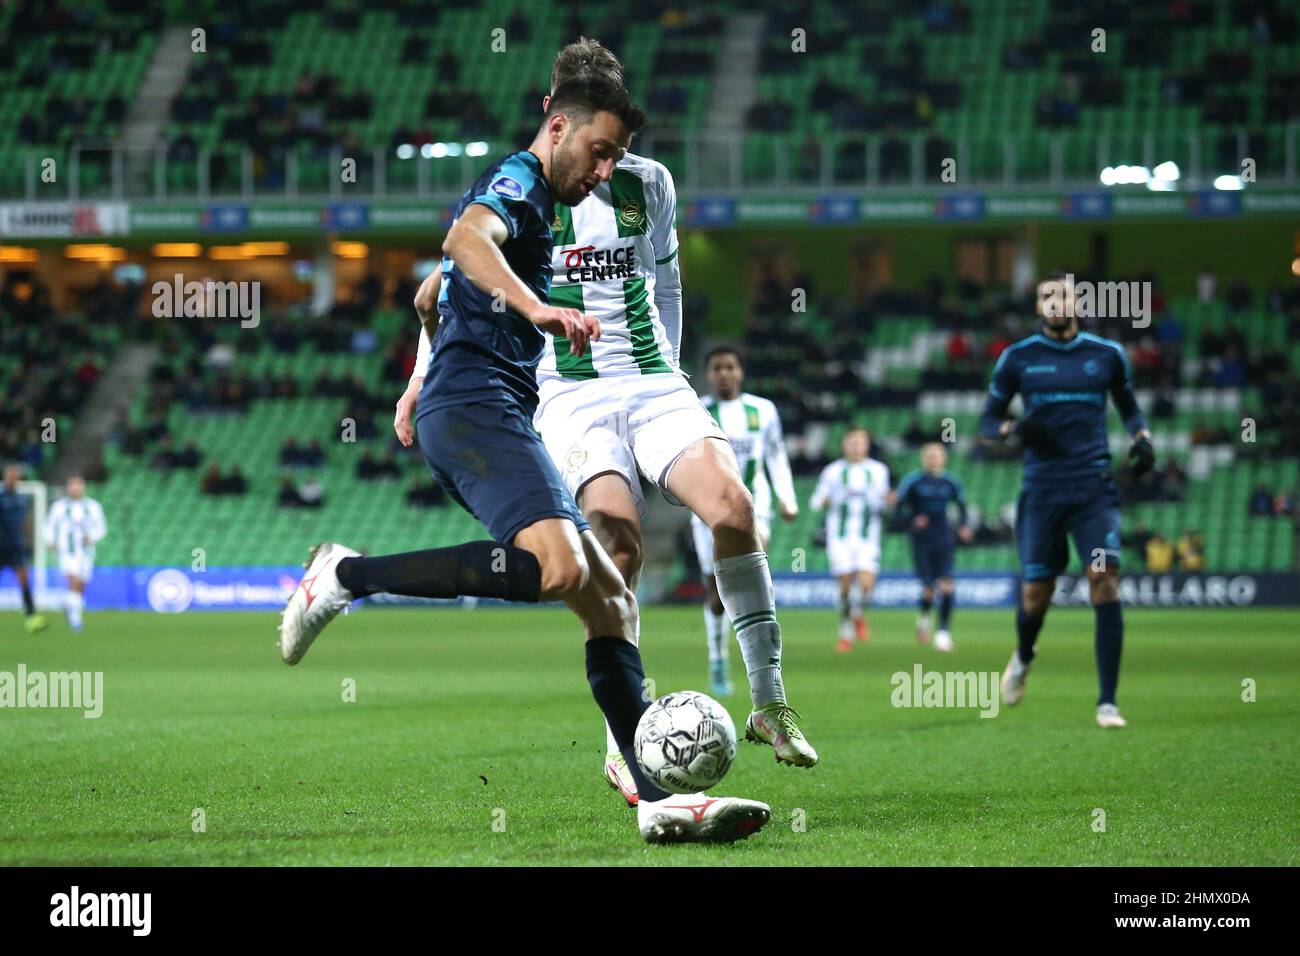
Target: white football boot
(774, 724)
(620, 778)
(1108, 716)
(316, 601)
(699, 818)
(1013, 680)
(943, 642)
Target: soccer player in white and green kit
(753, 427)
(853, 491)
(625, 408)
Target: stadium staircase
(735, 88)
(147, 117)
(108, 405)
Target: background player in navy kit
(13, 542)
(1063, 376)
(474, 421)
(923, 498)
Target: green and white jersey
(853, 494)
(73, 527)
(616, 258)
(753, 427)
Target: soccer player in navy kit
(474, 421)
(923, 497)
(1063, 376)
(13, 546)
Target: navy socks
(1027, 629)
(1109, 644)
(485, 569)
(616, 678)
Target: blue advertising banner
(175, 590)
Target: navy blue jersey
(479, 354)
(1064, 385)
(921, 493)
(13, 510)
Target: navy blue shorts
(1047, 517)
(12, 557)
(933, 560)
(489, 458)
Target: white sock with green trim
(716, 627)
(745, 586)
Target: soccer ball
(685, 742)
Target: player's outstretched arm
(777, 463)
(426, 307)
(426, 303)
(474, 243)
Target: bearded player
(1063, 376)
(625, 408)
(474, 419)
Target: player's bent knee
(1103, 586)
(1036, 597)
(735, 512)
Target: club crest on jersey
(505, 186)
(556, 224)
(575, 459)
(1090, 368)
(630, 213)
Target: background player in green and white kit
(625, 407)
(853, 490)
(753, 427)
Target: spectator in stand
(1232, 370)
(1206, 285)
(234, 483)
(1164, 406)
(1191, 552)
(188, 457)
(1160, 554)
(958, 347)
(1284, 504)
(426, 494)
(211, 482)
(164, 458)
(313, 493)
(1173, 486)
(313, 456)
(367, 467)
(1261, 502)
(1205, 434)
(1137, 539)
(388, 470)
(289, 496)
(290, 453)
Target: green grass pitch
(464, 719)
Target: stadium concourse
(238, 399)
